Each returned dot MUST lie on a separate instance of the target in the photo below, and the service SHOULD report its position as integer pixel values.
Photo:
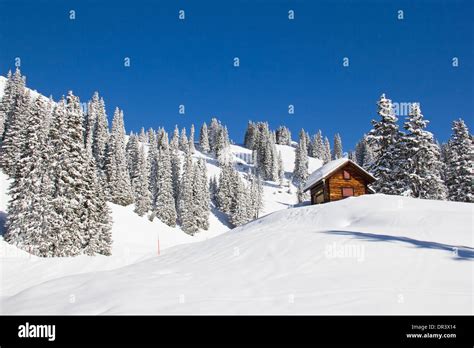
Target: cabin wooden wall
(336, 182)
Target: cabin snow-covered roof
(329, 168)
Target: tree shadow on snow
(222, 217)
(272, 185)
(459, 252)
(284, 203)
(3, 223)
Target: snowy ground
(368, 255)
(373, 254)
(135, 238)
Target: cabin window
(347, 175)
(347, 191)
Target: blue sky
(282, 62)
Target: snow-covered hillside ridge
(128, 227)
(34, 93)
(373, 254)
(275, 196)
(135, 237)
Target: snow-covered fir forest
(65, 162)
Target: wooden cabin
(337, 180)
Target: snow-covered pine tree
(204, 139)
(165, 208)
(118, 178)
(281, 169)
(213, 130)
(318, 147)
(421, 168)
(337, 151)
(352, 156)
(213, 189)
(142, 136)
(239, 207)
(175, 172)
(222, 147)
(363, 153)
(300, 195)
(151, 136)
(61, 214)
(100, 139)
(90, 120)
(131, 150)
(98, 236)
(183, 141)
(49, 114)
(384, 140)
(29, 208)
(250, 135)
(97, 217)
(264, 153)
(226, 137)
(201, 195)
(261, 154)
(153, 170)
(327, 151)
(5, 104)
(268, 159)
(300, 173)
(308, 141)
(288, 137)
(14, 137)
(82, 193)
(369, 157)
(283, 136)
(460, 164)
(98, 226)
(225, 189)
(444, 155)
(186, 199)
(140, 184)
(161, 138)
(174, 143)
(312, 147)
(191, 146)
(255, 197)
(13, 91)
(219, 145)
(79, 211)
(275, 161)
(65, 239)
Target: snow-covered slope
(33, 93)
(275, 197)
(372, 254)
(136, 237)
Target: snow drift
(372, 254)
